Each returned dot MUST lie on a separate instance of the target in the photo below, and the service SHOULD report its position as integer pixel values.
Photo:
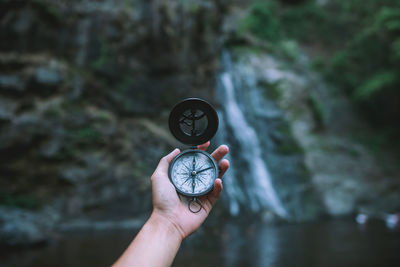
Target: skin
(171, 222)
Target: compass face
(193, 172)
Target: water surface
(325, 244)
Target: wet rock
(21, 131)
(19, 227)
(23, 21)
(74, 174)
(51, 148)
(90, 86)
(11, 82)
(48, 76)
(270, 163)
(7, 109)
(343, 171)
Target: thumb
(165, 161)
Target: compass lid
(193, 121)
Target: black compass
(193, 172)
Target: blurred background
(307, 93)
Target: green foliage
(318, 63)
(267, 20)
(125, 84)
(318, 112)
(396, 48)
(128, 4)
(271, 90)
(67, 152)
(262, 22)
(290, 49)
(87, 135)
(376, 143)
(387, 19)
(20, 201)
(289, 146)
(360, 40)
(303, 22)
(53, 113)
(48, 11)
(104, 56)
(283, 26)
(376, 83)
(367, 65)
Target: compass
(193, 121)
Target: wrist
(166, 225)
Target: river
(325, 243)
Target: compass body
(193, 172)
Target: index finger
(204, 146)
(220, 152)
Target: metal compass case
(193, 172)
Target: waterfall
(248, 182)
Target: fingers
(165, 161)
(223, 167)
(220, 152)
(204, 146)
(216, 192)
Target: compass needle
(203, 170)
(202, 166)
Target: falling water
(252, 187)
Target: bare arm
(155, 245)
(171, 222)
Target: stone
(11, 82)
(23, 22)
(74, 174)
(7, 109)
(48, 76)
(19, 227)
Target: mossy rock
(272, 90)
(20, 201)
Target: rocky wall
(85, 91)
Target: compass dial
(193, 172)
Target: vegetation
(87, 135)
(20, 201)
(357, 46)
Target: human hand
(171, 207)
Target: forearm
(156, 244)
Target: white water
(260, 193)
